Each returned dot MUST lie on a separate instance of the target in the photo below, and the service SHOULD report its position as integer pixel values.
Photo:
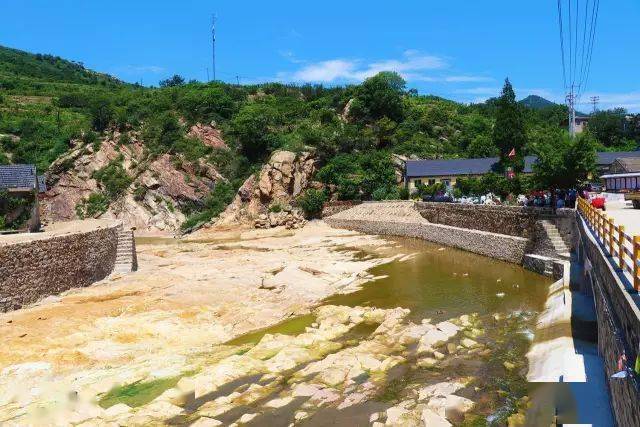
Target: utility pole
(571, 100)
(238, 79)
(213, 45)
(594, 101)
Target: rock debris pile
(288, 217)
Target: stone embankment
(33, 266)
(403, 218)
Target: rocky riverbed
(436, 337)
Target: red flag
(512, 153)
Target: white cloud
(327, 71)
(409, 66)
(629, 100)
(290, 56)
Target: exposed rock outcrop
(160, 185)
(208, 134)
(280, 181)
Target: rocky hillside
(150, 192)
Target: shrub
(93, 206)
(275, 207)
(124, 139)
(139, 192)
(311, 202)
(113, 178)
(214, 204)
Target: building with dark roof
(625, 165)
(21, 181)
(429, 172)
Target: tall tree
(379, 96)
(564, 162)
(509, 131)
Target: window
(446, 182)
(417, 182)
(432, 181)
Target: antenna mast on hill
(213, 45)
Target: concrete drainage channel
(563, 357)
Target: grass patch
(138, 393)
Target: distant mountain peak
(536, 102)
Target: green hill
(536, 102)
(47, 68)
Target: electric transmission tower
(594, 101)
(213, 45)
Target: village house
(21, 182)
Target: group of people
(561, 199)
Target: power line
(564, 68)
(570, 47)
(594, 101)
(594, 26)
(581, 22)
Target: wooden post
(599, 224)
(621, 240)
(611, 231)
(636, 255)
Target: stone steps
(558, 243)
(126, 258)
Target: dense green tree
(101, 113)
(564, 162)
(509, 130)
(253, 127)
(608, 127)
(379, 96)
(206, 104)
(175, 80)
(481, 146)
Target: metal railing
(624, 249)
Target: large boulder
(281, 180)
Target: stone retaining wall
(332, 208)
(403, 219)
(511, 220)
(33, 269)
(618, 327)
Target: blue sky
(458, 49)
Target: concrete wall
(618, 326)
(46, 265)
(403, 219)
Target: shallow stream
(439, 284)
(493, 303)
